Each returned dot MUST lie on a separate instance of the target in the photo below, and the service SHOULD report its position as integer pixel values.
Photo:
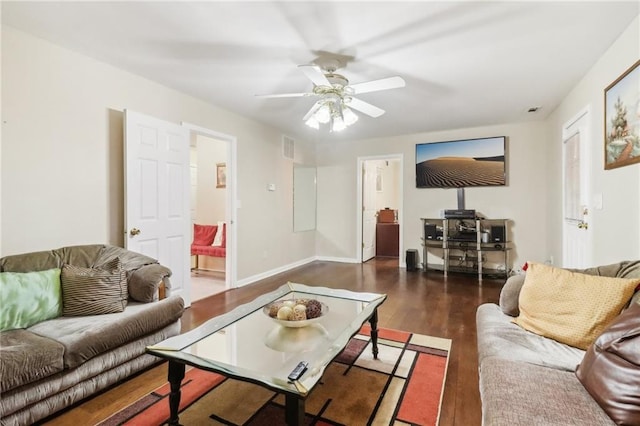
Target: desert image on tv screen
(457, 164)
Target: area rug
(404, 386)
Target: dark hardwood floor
(420, 302)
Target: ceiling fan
(336, 95)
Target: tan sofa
(527, 379)
(55, 363)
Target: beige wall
(532, 199)
(62, 166)
(62, 150)
(390, 195)
(210, 200)
(522, 200)
(616, 226)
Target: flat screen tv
(461, 163)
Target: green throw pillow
(29, 297)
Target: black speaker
(498, 234)
(430, 231)
(412, 260)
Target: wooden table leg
(374, 333)
(294, 410)
(176, 374)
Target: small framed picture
(622, 120)
(221, 175)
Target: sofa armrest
(145, 283)
(510, 295)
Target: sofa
(530, 379)
(75, 321)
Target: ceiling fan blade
(315, 74)
(312, 111)
(285, 95)
(365, 107)
(375, 85)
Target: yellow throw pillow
(570, 307)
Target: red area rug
(404, 385)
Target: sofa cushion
(89, 291)
(84, 337)
(570, 307)
(610, 370)
(499, 338)
(29, 297)
(209, 251)
(624, 269)
(130, 260)
(520, 394)
(26, 357)
(84, 256)
(30, 262)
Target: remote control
(298, 371)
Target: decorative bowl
(272, 309)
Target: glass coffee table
(249, 345)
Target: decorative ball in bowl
(295, 312)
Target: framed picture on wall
(622, 120)
(221, 175)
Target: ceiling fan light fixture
(313, 123)
(323, 115)
(338, 124)
(349, 116)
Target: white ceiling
(465, 63)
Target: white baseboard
(284, 268)
(337, 259)
(272, 272)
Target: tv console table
(464, 245)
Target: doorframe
(231, 261)
(359, 194)
(579, 123)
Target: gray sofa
(55, 363)
(530, 380)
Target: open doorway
(208, 212)
(380, 207)
(212, 164)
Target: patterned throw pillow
(88, 291)
(570, 307)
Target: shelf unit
(463, 245)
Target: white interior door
(576, 190)
(368, 210)
(157, 192)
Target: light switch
(271, 187)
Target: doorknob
(134, 232)
(583, 225)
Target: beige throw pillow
(570, 307)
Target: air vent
(288, 147)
